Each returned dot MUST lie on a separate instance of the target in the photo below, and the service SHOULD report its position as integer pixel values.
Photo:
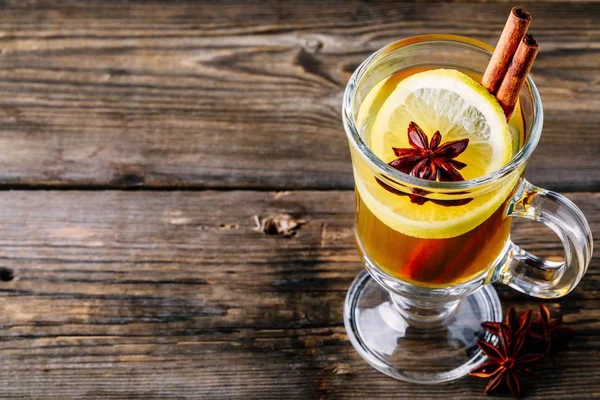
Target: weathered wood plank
(247, 94)
(174, 295)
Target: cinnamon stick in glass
(515, 77)
(514, 31)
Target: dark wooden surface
(166, 293)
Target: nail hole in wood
(6, 274)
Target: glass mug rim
(381, 167)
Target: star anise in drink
(430, 160)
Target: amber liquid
(431, 262)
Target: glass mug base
(393, 344)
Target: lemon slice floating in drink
(459, 107)
(454, 104)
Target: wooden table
(139, 139)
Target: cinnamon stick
(426, 260)
(514, 30)
(515, 77)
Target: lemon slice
(459, 107)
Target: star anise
(507, 362)
(518, 326)
(430, 160)
(521, 342)
(549, 331)
(418, 196)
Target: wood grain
(247, 94)
(126, 294)
(172, 294)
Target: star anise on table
(519, 339)
(507, 362)
(430, 160)
(514, 325)
(549, 331)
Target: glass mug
(423, 328)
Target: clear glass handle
(543, 278)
